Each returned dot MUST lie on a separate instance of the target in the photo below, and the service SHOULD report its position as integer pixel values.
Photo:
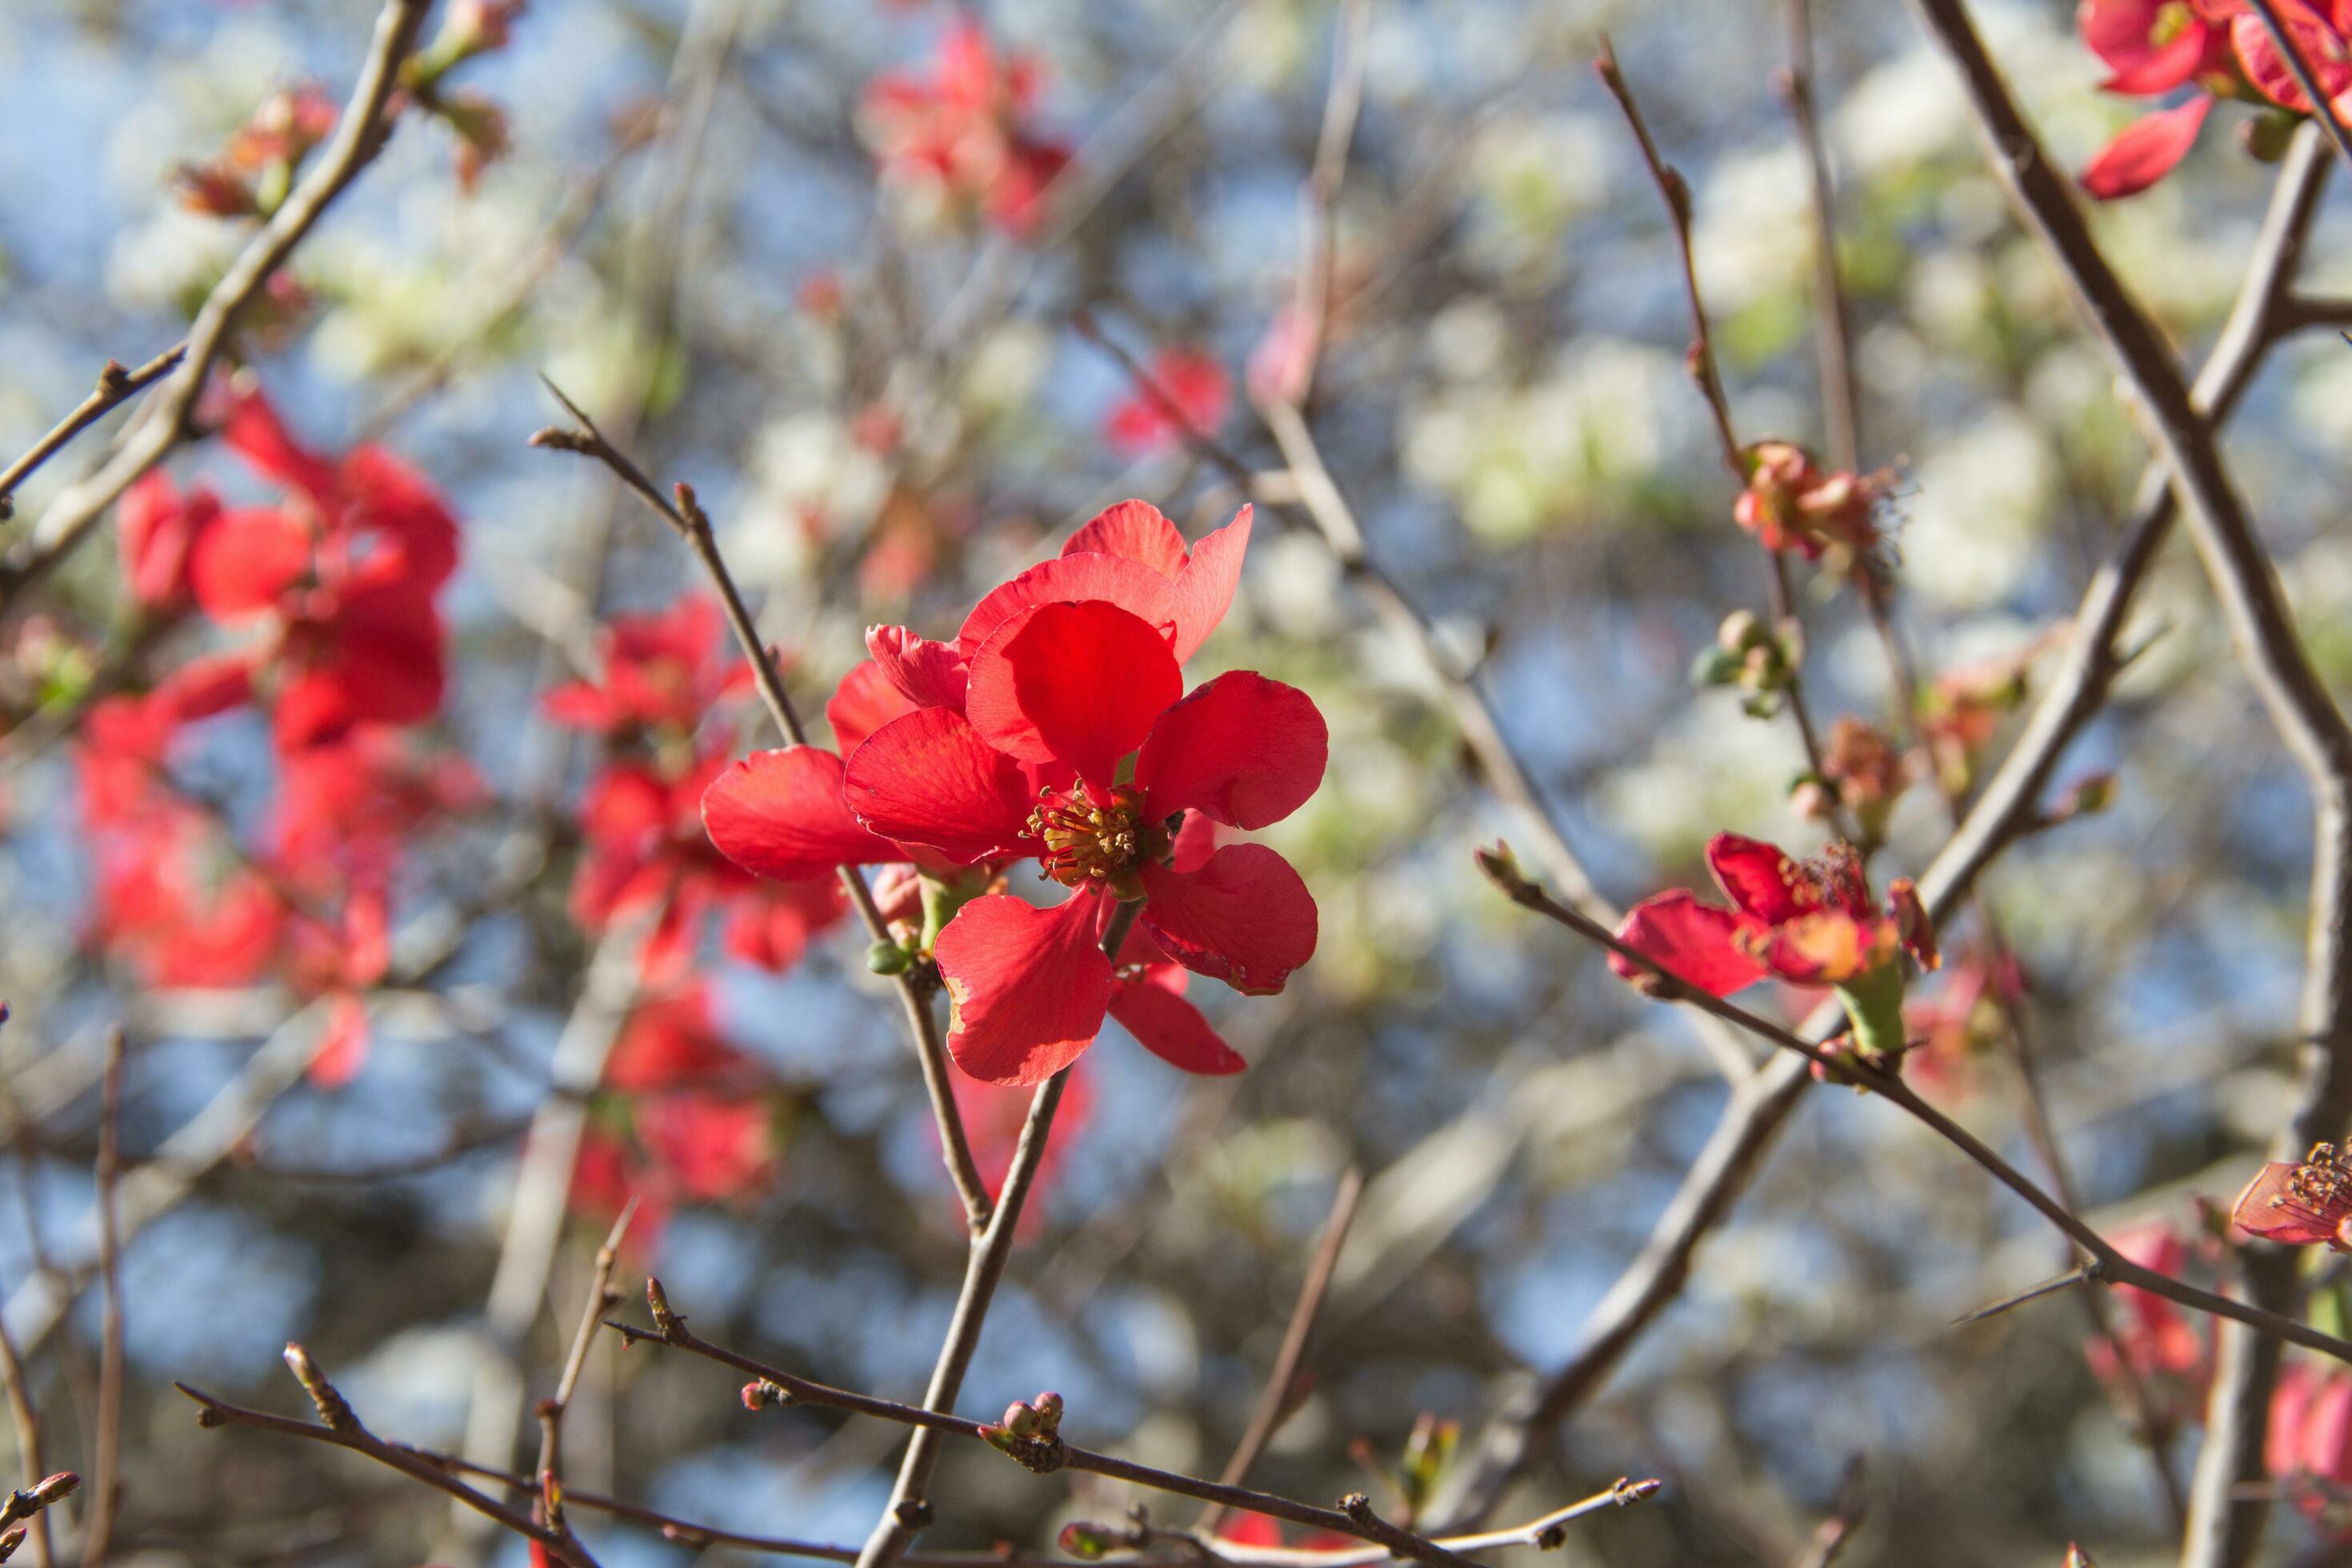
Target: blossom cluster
(2215, 50)
(327, 602)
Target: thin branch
(1278, 1398)
(1046, 1454)
(2224, 1531)
(1832, 321)
(116, 387)
(360, 134)
(1708, 374)
(2114, 1268)
(107, 1459)
(1319, 253)
(28, 1437)
(340, 1425)
(691, 524)
(602, 1298)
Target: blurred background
(701, 218)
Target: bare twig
(1708, 374)
(1279, 1397)
(602, 1298)
(116, 385)
(28, 1437)
(692, 524)
(339, 1424)
(107, 1457)
(1048, 1454)
(359, 135)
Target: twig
(687, 520)
(1319, 253)
(1708, 372)
(1833, 322)
(32, 1503)
(2223, 1531)
(1835, 1533)
(107, 1457)
(116, 385)
(543, 1188)
(1048, 1454)
(2114, 1267)
(339, 1424)
(28, 1437)
(359, 136)
(602, 1298)
(1279, 1397)
(908, 1510)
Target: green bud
(1087, 1543)
(888, 958)
(1714, 666)
(2266, 135)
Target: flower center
(2171, 20)
(2322, 1184)
(1096, 845)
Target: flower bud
(888, 958)
(1048, 1406)
(1741, 630)
(1086, 1542)
(1020, 1420)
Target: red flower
(2152, 46)
(2165, 1350)
(347, 569)
(662, 671)
(1807, 923)
(1193, 380)
(960, 132)
(1790, 503)
(1060, 695)
(2300, 1202)
(780, 812)
(2309, 1443)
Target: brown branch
(687, 519)
(1046, 1454)
(1279, 1397)
(1832, 321)
(909, 1510)
(28, 1436)
(2112, 1266)
(116, 385)
(2224, 1531)
(1318, 254)
(360, 134)
(340, 1426)
(602, 1298)
(1708, 372)
(106, 1461)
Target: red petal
(1075, 683)
(1029, 986)
(2327, 1447)
(255, 433)
(928, 778)
(2145, 151)
(205, 687)
(863, 703)
(1759, 879)
(1135, 588)
(1689, 940)
(1133, 530)
(2287, 1219)
(1245, 918)
(1204, 589)
(1174, 1030)
(2322, 47)
(246, 560)
(1196, 840)
(1241, 750)
(781, 814)
(930, 673)
(2157, 71)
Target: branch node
(333, 1408)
